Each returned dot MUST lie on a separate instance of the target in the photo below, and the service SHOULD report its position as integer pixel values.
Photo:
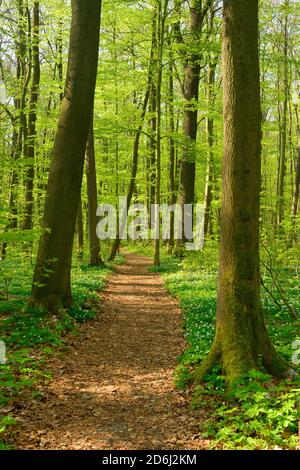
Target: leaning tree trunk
(241, 338)
(51, 282)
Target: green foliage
(5, 422)
(258, 412)
(31, 334)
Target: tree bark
(283, 127)
(208, 196)
(51, 282)
(296, 193)
(31, 138)
(153, 120)
(241, 336)
(160, 30)
(94, 243)
(192, 68)
(172, 153)
(80, 236)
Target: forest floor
(113, 387)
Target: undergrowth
(31, 335)
(259, 412)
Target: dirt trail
(113, 387)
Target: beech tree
(192, 57)
(51, 282)
(241, 342)
(91, 177)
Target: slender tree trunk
(283, 128)
(23, 79)
(172, 155)
(80, 236)
(296, 195)
(13, 221)
(24, 74)
(94, 243)
(241, 339)
(161, 15)
(51, 283)
(135, 153)
(208, 197)
(192, 69)
(60, 69)
(30, 145)
(19, 122)
(153, 114)
(295, 205)
(135, 159)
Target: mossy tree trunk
(241, 342)
(51, 283)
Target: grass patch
(31, 335)
(259, 413)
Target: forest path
(113, 387)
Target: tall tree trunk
(94, 243)
(24, 74)
(51, 282)
(283, 127)
(192, 68)
(296, 195)
(34, 94)
(19, 122)
(208, 196)
(135, 153)
(59, 48)
(134, 168)
(172, 155)
(241, 337)
(13, 220)
(153, 114)
(295, 205)
(160, 15)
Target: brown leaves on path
(113, 387)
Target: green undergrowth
(259, 412)
(30, 334)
